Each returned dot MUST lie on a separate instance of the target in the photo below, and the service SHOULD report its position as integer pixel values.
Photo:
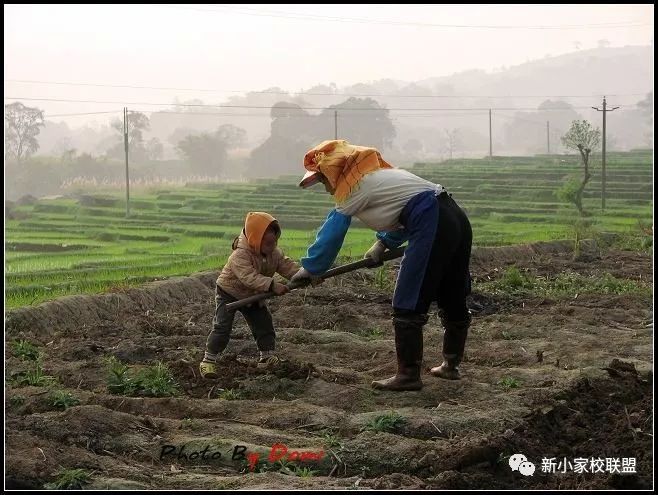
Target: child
(247, 272)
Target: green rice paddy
(86, 244)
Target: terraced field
(85, 243)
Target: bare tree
(646, 108)
(452, 140)
(154, 149)
(21, 130)
(584, 138)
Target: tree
(361, 121)
(452, 140)
(181, 133)
(137, 124)
(646, 106)
(278, 155)
(64, 146)
(290, 121)
(527, 130)
(21, 130)
(646, 109)
(292, 132)
(154, 149)
(413, 147)
(207, 152)
(584, 138)
(68, 155)
(232, 136)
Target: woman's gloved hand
(376, 252)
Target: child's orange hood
(255, 226)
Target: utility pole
(548, 139)
(335, 124)
(490, 145)
(125, 146)
(604, 110)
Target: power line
(555, 130)
(297, 16)
(77, 114)
(315, 94)
(296, 107)
(269, 115)
(328, 116)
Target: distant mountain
(624, 74)
(624, 70)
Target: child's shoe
(267, 359)
(208, 370)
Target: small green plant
(35, 377)
(385, 422)
(189, 423)
(383, 278)
(16, 400)
(230, 394)
(508, 335)
(155, 380)
(509, 382)
(69, 479)
(570, 283)
(331, 440)
(373, 333)
(582, 228)
(25, 350)
(514, 279)
(304, 472)
(568, 192)
(261, 466)
(633, 241)
(283, 466)
(119, 380)
(63, 399)
(645, 235)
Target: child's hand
(304, 274)
(280, 289)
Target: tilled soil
(549, 378)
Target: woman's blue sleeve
(393, 239)
(324, 250)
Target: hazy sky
(231, 49)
